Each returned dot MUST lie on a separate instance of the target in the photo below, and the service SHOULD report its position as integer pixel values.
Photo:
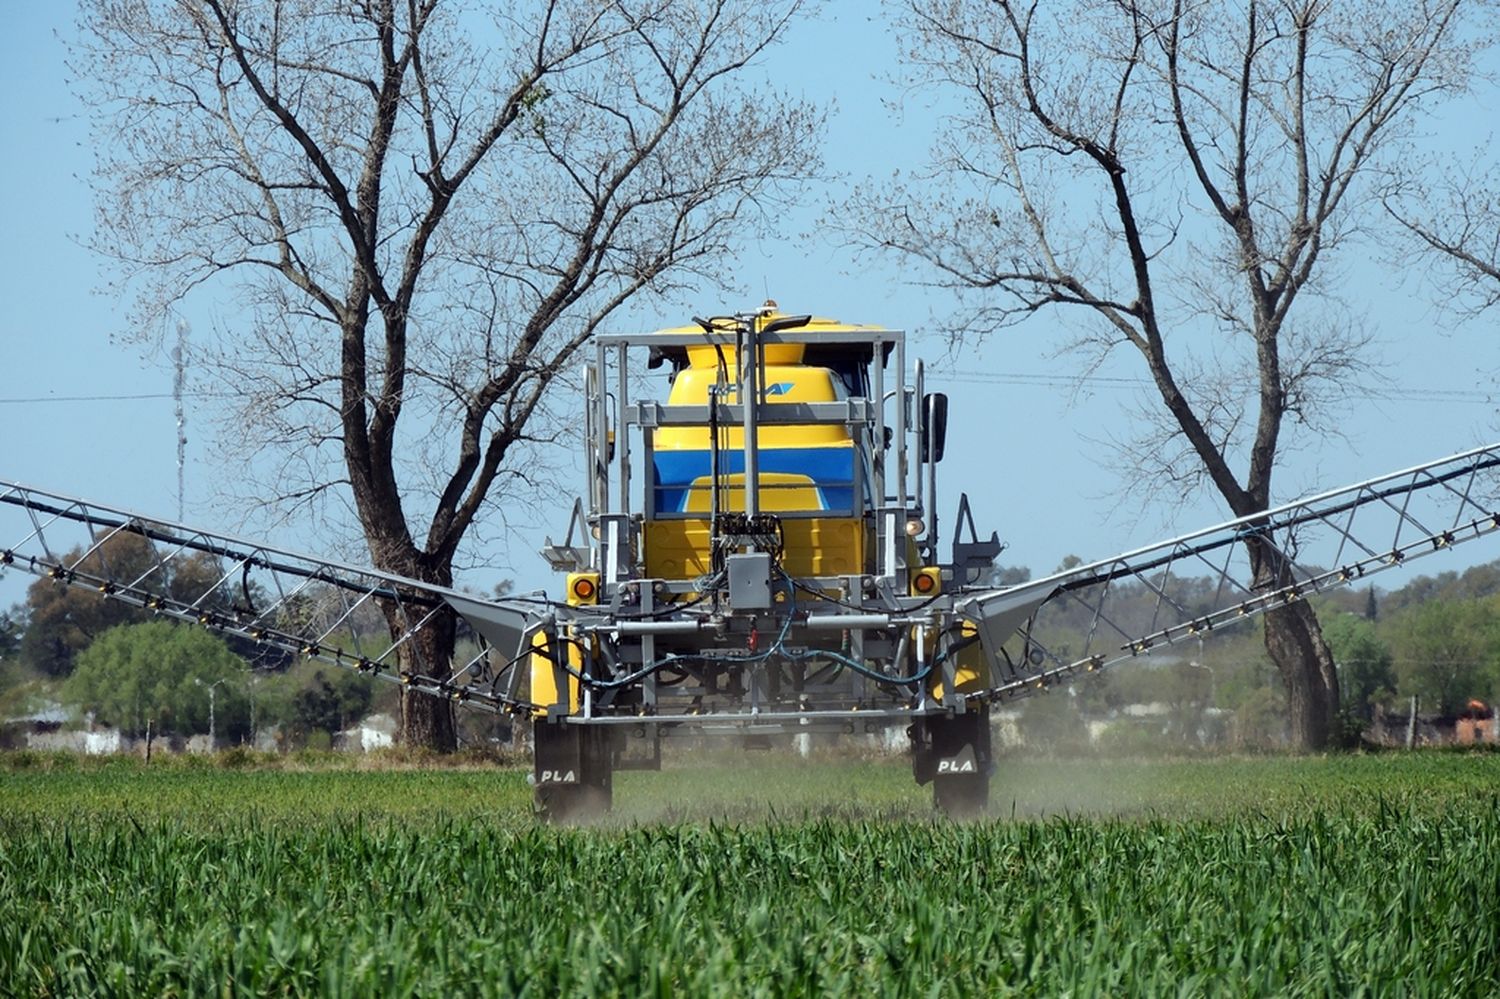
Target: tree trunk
(1295, 645)
(427, 721)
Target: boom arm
(299, 604)
(263, 594)
(1327, 541)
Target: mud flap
(950, 745)
(952, 752)
(573, 774)
(558, 756)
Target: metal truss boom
(1097, 615)
(1037, 634)
(347, 616)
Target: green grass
(1338, 876)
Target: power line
(1037, 380)
(137, 397)
(1018, 378)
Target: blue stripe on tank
(831, 469)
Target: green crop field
(1376, 875)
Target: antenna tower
(179, 379)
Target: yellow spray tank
(808, 474)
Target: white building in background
(375, 732)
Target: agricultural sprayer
(758, 556)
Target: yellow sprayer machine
(758, 556)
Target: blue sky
(1020, 440)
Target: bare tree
(1178, 176)
(1455, 219)
(425, 208)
